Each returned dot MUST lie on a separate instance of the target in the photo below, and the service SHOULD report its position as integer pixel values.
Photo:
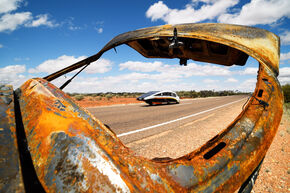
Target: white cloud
(253, 13)
(12, 75)
(99, 26)
(100, 30)
(231, 80)
(284, 80)
(131, 82)
(284, 72)
(210, 10)
(210, 81)
(285, 56)
(8, 5)
(53, 65)
(285, 38)
(9, 22)
(249, 71)
(247, 85)
(173, 77)
(284, 75)
(191, 69)
(41, 20)
(258, 12)
(100, 66)
(1, 46)
(157, 11)
(141, 66)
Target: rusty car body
(50, 144)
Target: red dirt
(94, 102)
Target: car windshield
(148, 94)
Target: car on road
(159, 97)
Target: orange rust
(73, 151)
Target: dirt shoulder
(102, 101)
(274, 175)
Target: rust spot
(73, 151)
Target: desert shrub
(109, 96)
(286, 92)
(79, 97)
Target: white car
(159, 97)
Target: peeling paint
(72, 151)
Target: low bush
(286, 92)
(79, 97)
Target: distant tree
(286, 92)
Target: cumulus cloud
(258, 12)
(53, 65)
(253, 13)
(165, 76)
(209, 10)
(210, 81)
(192, 69)
(285, 56)
(11, 21)
(141, 66)
(12, 75)
(284, 75)
(247, 85)
(157, 11)
(249, 71)
(100, 66)
(131, 82)
(9, 5)
(284, 72)
(40, 20)
(231, 80)
(284, 80)
(285, 38)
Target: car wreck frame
(48, 143)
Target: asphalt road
(137, 121)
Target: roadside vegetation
(181, 94)
(286, 92)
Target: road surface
(135, 122)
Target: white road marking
(179, 119)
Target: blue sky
(40, 37)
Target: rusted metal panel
(73, 151)
(10, 170)
(258, 43)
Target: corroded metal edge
(258, 43)
(72, 151)
(10, 169)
